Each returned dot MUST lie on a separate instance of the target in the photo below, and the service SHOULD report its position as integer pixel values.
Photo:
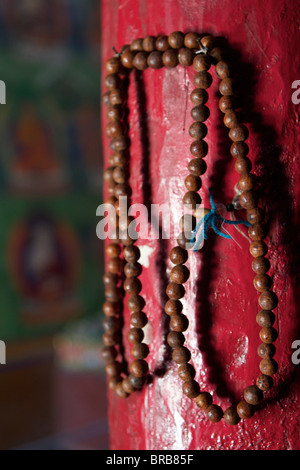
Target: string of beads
(123, 267)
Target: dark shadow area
(161, 263)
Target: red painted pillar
(220, 302)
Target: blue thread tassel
(209, 220)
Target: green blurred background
(52, 390)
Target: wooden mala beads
(123, 268)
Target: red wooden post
(221, 302)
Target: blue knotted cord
(209, 220)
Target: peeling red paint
(220, 301)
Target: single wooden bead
(114, 113)
(191, 388)
(120, 391)
(186, 372)
(222, 69)
(136, 303)
(173, 307)
(185, 56)
(113, 382)
(119, 143)
(109, 353)
(201, 63)
(264, 382)
(111, 308)
(181, 355)
(132, 285)
(131, 253)
(113, 368)
(110, 323)
(203, 400)
(175, 291)
(140, 350)
(179, 322)
(140, 61)
(260, 265)
(255, 215)
(187, 223)
(120, 175)
(136, 382)
(111, 188)
(114, 294)
(207, 42)
(127, 386)
(110, 338)
(200, 113)
(226, 103)
(132, 269)
(116, 97)
(149, 43)
(193, 182)
(253, 395)
(112, 81)
(268, 300)
(175, 339)
(266, 350)
(108, 174)
(155, 60)
(176, 39)
(231, 119)
(262, 282)
(191, 40)
(186, 240)
(197, 166)
(199, 96)
(179, 274)
(191, 199)
(239, 149)
(178, 255)
(268, 335)
(106, 98)
(137, 44)
(243, 165)
(238, 133)
(120, 158)
(135, 335)
(247, 200)
(198, 130)
(246, 182)
(268, 366)
(112, 65)
(217, 53)
(170, 58)
(245, 410)
(114, 265)
(226, 87)
(113, 250)
(127, 59)
(199, 148)
(258, 248)
(113, 129)
(214, 413)
(110, 279)
(231, 416)
(139, 368)
(162, 43)
(138, 320)
(265, 318)
(202, 80)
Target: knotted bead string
(170, 51)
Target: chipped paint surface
(220, 302)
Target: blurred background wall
(52, 392)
